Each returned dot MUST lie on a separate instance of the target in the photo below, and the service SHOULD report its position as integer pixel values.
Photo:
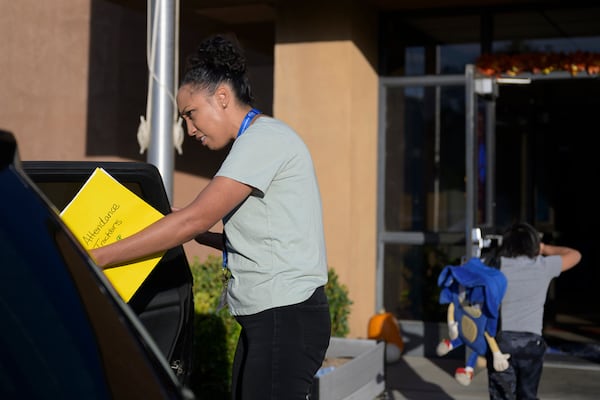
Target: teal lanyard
(245, 124)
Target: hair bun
(219, 55)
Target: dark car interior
(164, 302)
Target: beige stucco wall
(325, 85)
(44, 78)
(44, 66)
(327, 90)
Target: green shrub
(216, 332)
(339, 305)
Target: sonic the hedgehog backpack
(473, 292)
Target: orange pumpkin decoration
(384, 326)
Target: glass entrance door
(421, 200)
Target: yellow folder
(104, 211)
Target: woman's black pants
(280, 350)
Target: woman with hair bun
(267, 196)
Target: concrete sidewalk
(421, 378)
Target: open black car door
(164, 302)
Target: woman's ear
(223, 96)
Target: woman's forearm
(168, 232)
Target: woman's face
(204, 117)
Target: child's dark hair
(520, 239)
(219, 59)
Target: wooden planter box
(353, 369)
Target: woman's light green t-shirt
(275, 241)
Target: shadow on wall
(118, 82)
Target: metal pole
(379, 272)
(470, 192)
(490, 141)
(160, 150)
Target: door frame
(477, 88)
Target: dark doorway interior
(546, 173)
